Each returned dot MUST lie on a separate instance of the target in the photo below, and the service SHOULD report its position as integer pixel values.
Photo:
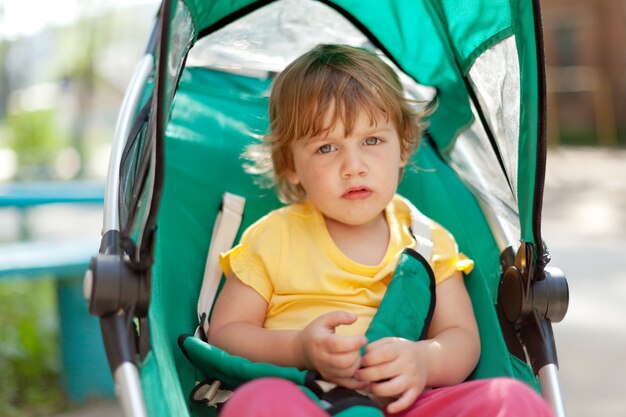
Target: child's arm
(397, 367)
(237, 327)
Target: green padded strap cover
(232, 370)
(409, 302)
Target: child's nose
(353, 164)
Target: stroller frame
(531, 296)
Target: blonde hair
(338, 78)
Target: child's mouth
(357, 193)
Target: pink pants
(497, 397)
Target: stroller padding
(232, 370)
(407, 308)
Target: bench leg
(85, 369)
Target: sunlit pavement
(97, 408)
(584, 225)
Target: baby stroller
(199, 95)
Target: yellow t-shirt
(290, 259)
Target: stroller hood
(482, 58)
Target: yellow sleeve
(249, 260)
(446, 258)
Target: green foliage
(30, 365)
(34, 137)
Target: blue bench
(39, 193)
(85, 369)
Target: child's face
(350, 179)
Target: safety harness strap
(225, 229)
(421, 228)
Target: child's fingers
(337, 318)
(340, 366)
(375, 373)
(406, 399)
(344, 344)
(344, 364)
(380, 354)
(381, 342)
(350, 383)
(391, 387)
(380, 364)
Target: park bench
(85, 369)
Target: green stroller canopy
(479, 62)
(481, 58)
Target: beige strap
(421, 226)
(225, 229)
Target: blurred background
(64, 67)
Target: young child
(306, 280)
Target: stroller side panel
(440, 194)
(214, 116)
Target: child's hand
(394, 368)
(335, 357)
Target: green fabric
(206, 133)
(360, 411)
(211, 118)
(233, 370)
(408, 304)
(439, 194)
(529, 118)
(523, 372)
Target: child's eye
(372, 141)
(326, 148)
